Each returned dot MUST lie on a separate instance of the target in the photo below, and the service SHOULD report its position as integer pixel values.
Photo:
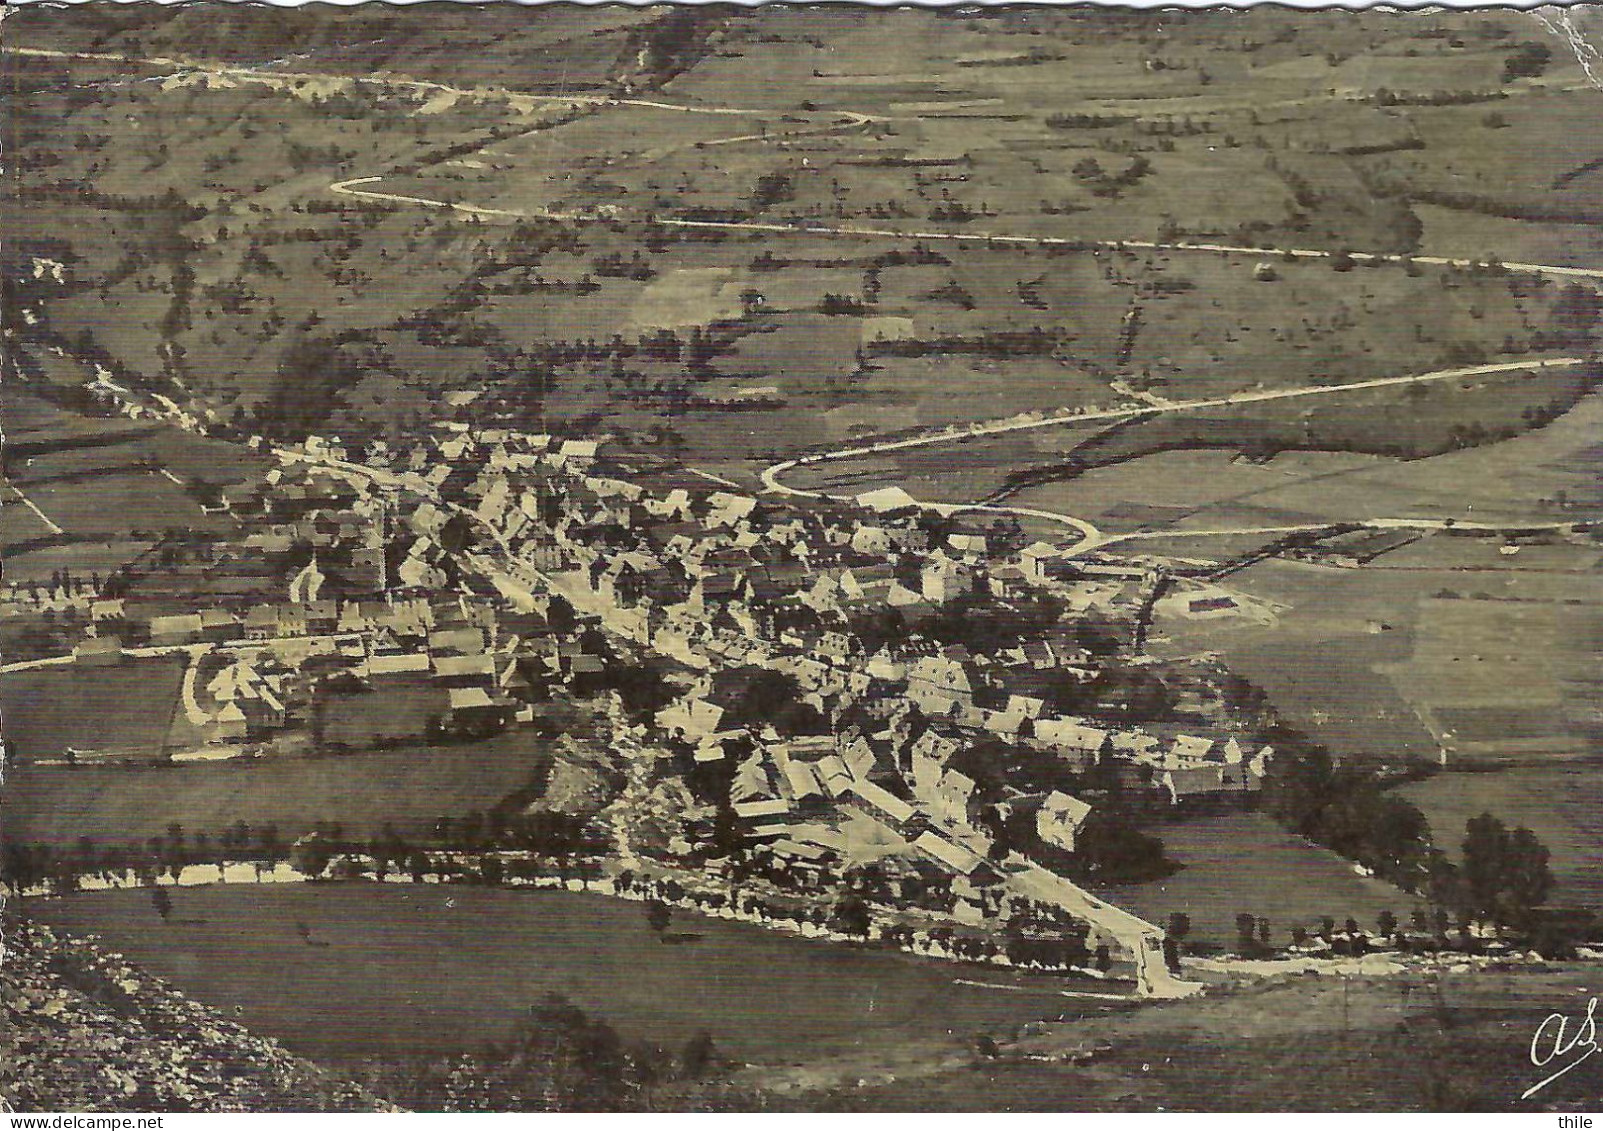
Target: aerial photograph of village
(800, 559)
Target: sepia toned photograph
(831, 559)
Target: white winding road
(1091, 537)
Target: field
(1244, 863)
(1449, 1042)
(402, 970)
(1313, 458)
(115, 503)
(107, 489)
(1277, 132)
(126, 710)
(358, 721)
(1561, 804)
(408, 787)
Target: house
(229, 724)
(805, 861)
(948, 793)
(944, 580)
(725, 509)
(800, 782)
(473, 707)
(218, 626)
(768, 816)
(1134, 744)
(947, 855)
(428, 520)
(1190, 748)
(98, 652)
(867, 581)
(263, 711)
(877, 541)
(321, 616)
(1060, 818)
(400, 667)
(939, 680)
(1191, 783)
(833, 775)
(464, 640)
(261, 623)
(1036, 560)
(691, 718)
(881, 803)
(1071, 739)
(578, 455)
(931, 747)
(861, 755)
(291, 620)
(111, 609)
(886, 500)
(714, 590)
(183, 628)
(978, 894)
(465, 671)
(1007, 581)
(1007, 724)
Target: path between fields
(39, 514)
(1370, 523)
(856, 118)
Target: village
(834, 696)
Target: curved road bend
(1091, 537)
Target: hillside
(88, 1031)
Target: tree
(698, 1054)
(310, 855)
(1246, 927)
(1527, 61)
(1386, 924)
(1088, 169)
(1527, 877)
(852, 917)
(418, 865)
(1485, 850)
(1179, 926)
(162, 902)
(658, 916)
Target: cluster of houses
(312, 607)
(889, 789)
(882, 770)
(870, 765)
